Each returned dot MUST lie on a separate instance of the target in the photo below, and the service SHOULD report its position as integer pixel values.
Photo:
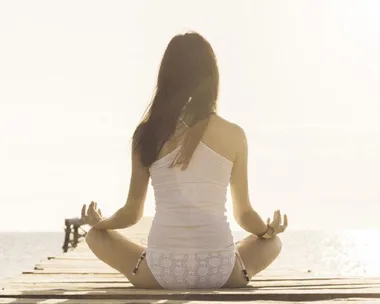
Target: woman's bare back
(220, 135)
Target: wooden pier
(78, 277)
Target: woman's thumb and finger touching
(92, 214)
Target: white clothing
(190, 204)
(190, 243)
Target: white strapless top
(191, 204)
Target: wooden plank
(100, 287)
(246, 294)
(105, 269)
(110, 270)
(256, 285)
(77, 301)
(70, 263)
(63, 278)
(119, 277)
(70, 271)
(111, 282)
(68, 257)
(265, 288)
(107, 301)
(95, 265)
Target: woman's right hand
(277, 223)
(92, 215)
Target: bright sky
(302, 77)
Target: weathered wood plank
(198, 295)
(119, 278)
(111, 283)
(102, 287)
(68, 257)
(105, 301)
(71, 263)
(78, 301)
(70, 271)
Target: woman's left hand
(277, 224)
(92, 215)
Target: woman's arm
(133, 210)
(244, 214)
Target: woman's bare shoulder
(224, 137)
(226, 127)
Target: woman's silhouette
(191, 155)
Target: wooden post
(72, 233)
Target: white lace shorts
(191, 270)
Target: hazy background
(301, 77)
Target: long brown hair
(188, 72)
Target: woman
(192, 155)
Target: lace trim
(185, 270)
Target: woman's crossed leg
(122, 254)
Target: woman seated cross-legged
(191, 155)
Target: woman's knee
(90, 236)
(276, 245)
(93, 236)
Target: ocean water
(327, 253)
(305, 253)
(20, 251)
